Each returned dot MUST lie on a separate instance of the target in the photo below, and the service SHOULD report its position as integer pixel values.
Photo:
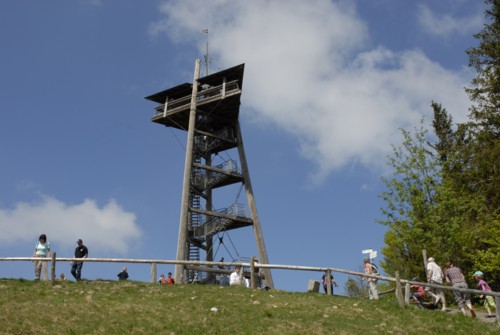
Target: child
(419, 293)
(488, 299)
(162, 280)
(170, 280)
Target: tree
(410, 203)
(481, 176)
(484, 171)
(485, 59)
(445, 196)
(356, 287)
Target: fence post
(328, 280)
(45, 270)
(497, 301)
(399, 293)
(407, 293)
(53, 267)
(252, 274)
(153, 273)
(424, 256)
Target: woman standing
(42, 250)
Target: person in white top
(236, 278)
(435, 276)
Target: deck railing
(210, 93)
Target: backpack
(375, 270)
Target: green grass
(104, 307)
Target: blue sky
(327, 86)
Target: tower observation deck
(208, 110)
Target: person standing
(435, 276)
(81, 251)
(455, 276)
(371, 269)
(42, 250)
(488, 299)
(325, 283)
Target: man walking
(455, 276)
(435, 276)
(81, 251)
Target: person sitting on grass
(170, 280)
(236, 278)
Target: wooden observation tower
(208, 110)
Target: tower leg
(261, 247)
(182, 244)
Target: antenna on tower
(205, 56)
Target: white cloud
(309, 72)
(446, 25)
(107, 229)
(92, 2)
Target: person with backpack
(371, 269)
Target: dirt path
(480, 315)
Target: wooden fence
(402, 299)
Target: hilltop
(107, 307)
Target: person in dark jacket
(81, 251)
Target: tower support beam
(259, 238)
(182, 244)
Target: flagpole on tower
(207, 60)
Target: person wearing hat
(488, 299)
(435, 276)
(81, 251)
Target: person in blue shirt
(42, 250)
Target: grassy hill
(105, 307)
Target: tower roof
(179, 91)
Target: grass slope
(104, 307)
